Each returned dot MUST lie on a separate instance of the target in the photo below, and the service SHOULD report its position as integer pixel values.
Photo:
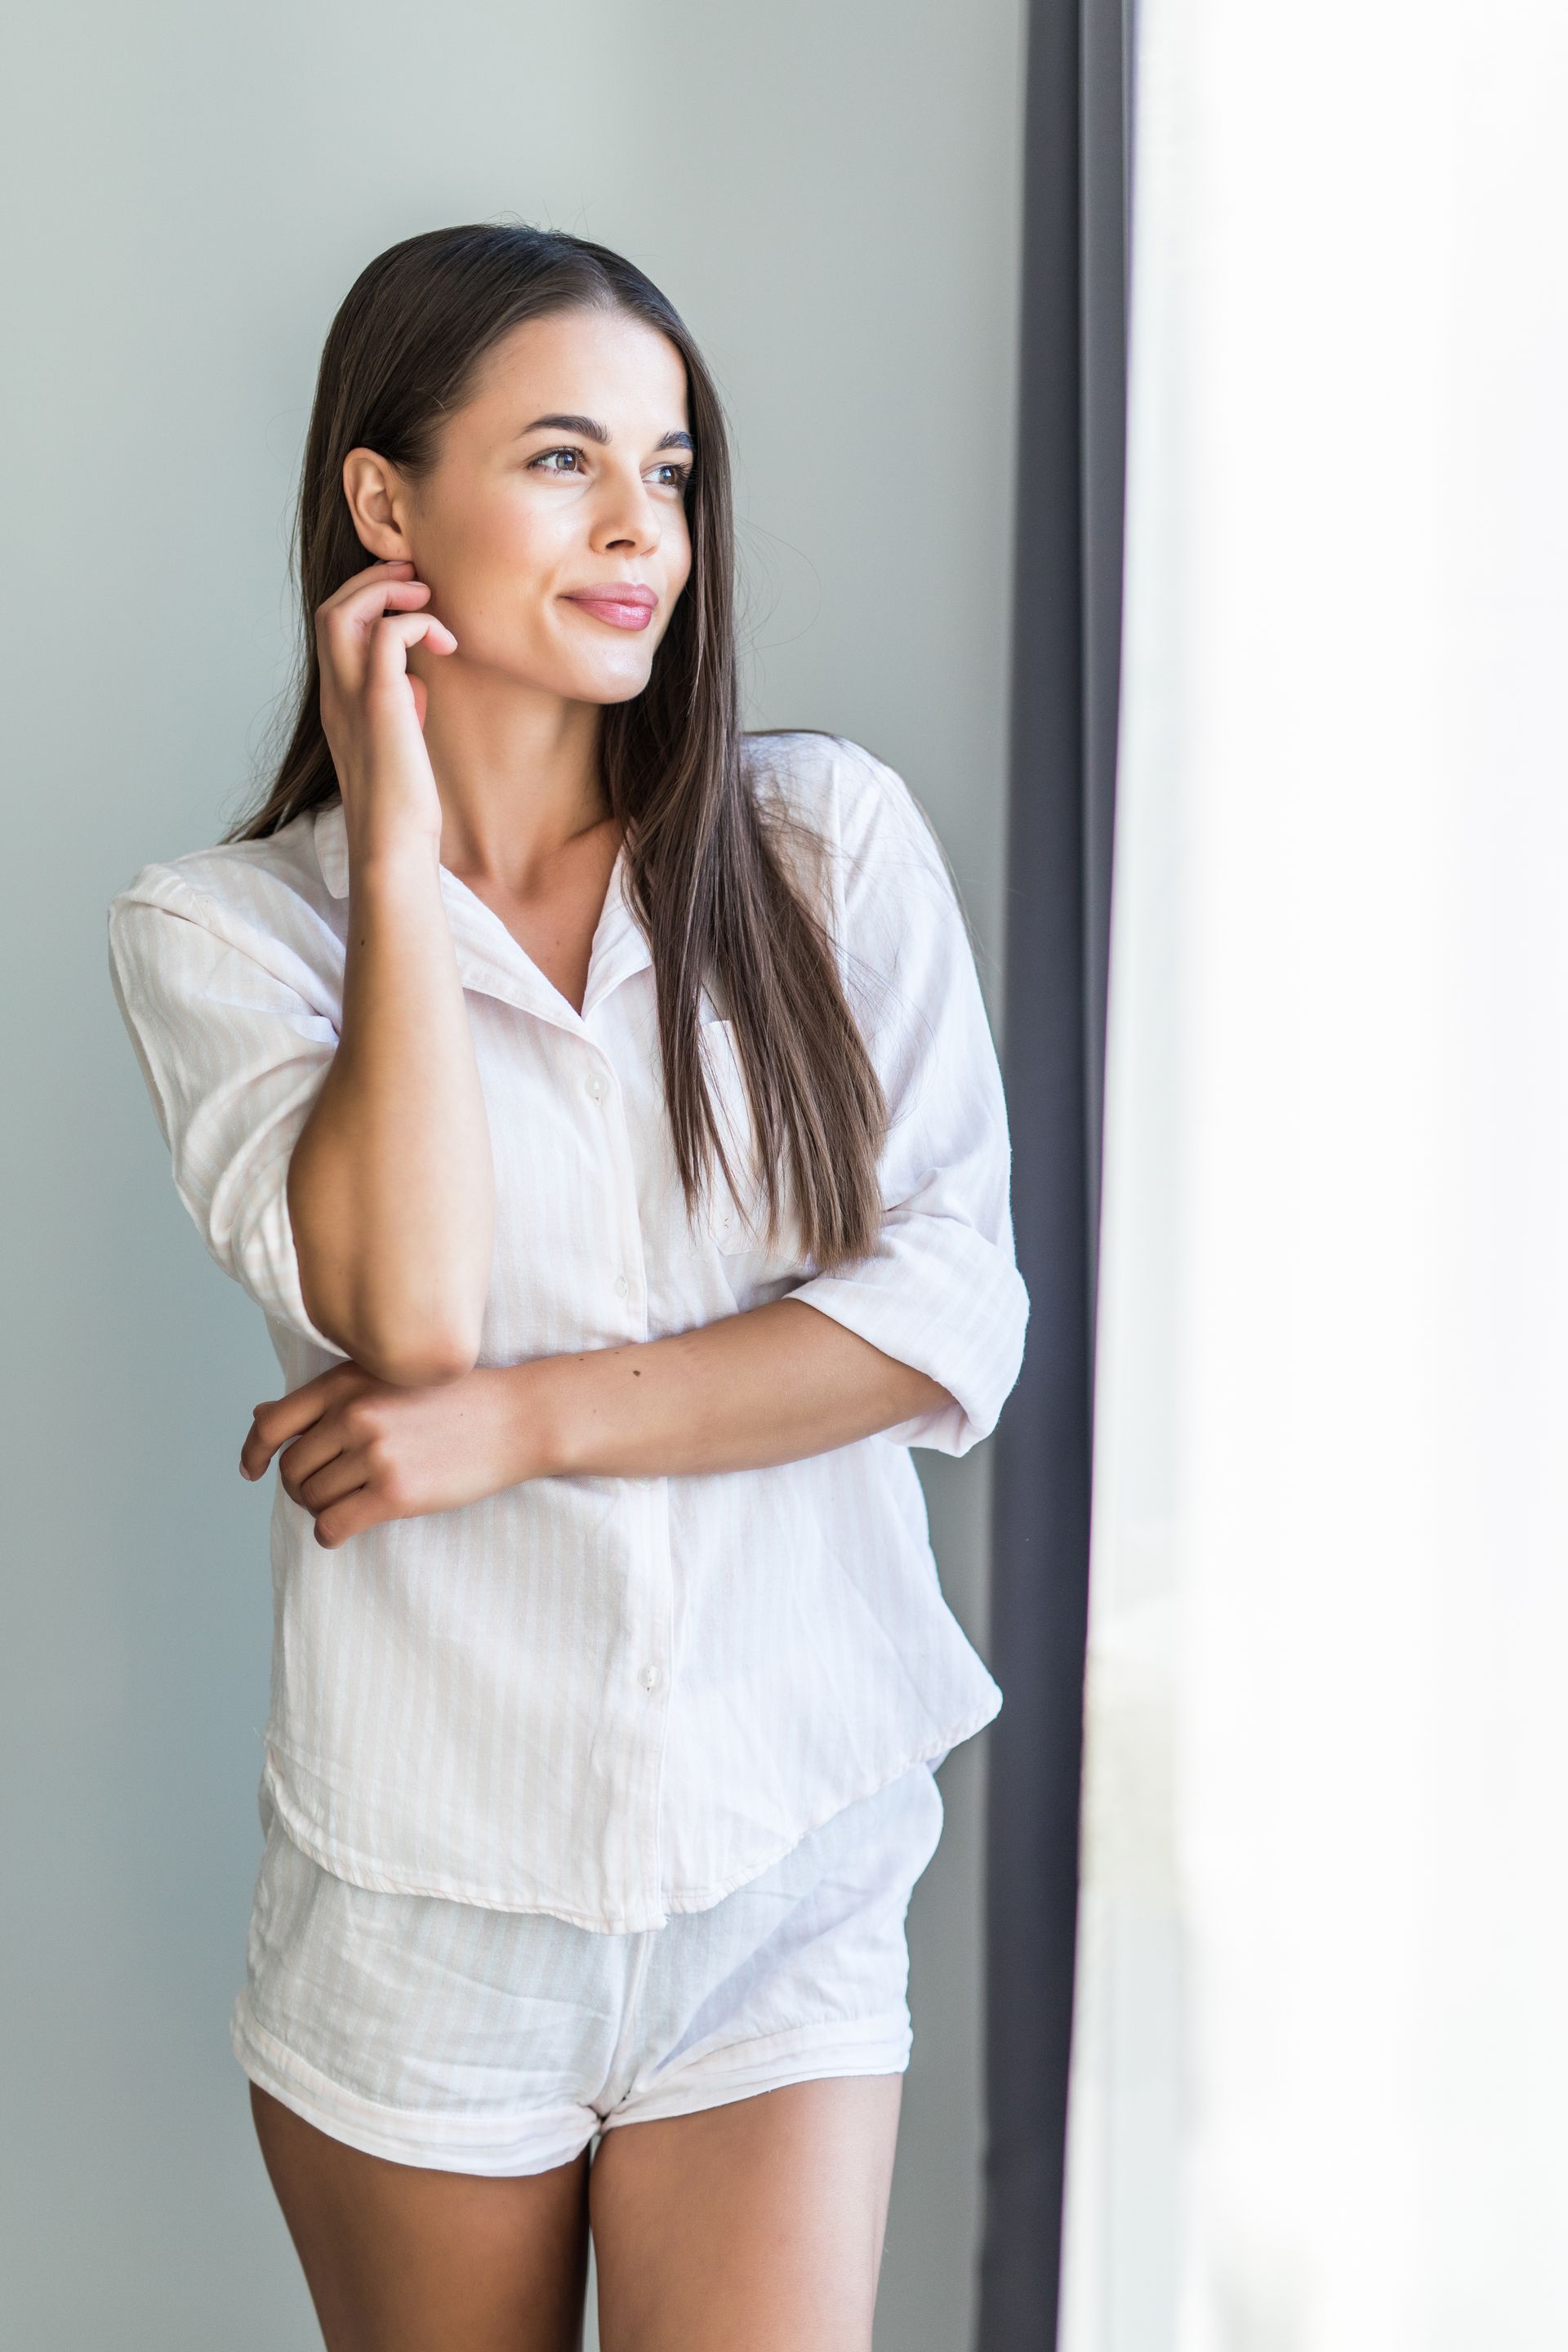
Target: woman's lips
(623, 608)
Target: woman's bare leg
(756, 2227)
(402, 2259)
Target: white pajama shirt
(607, 1699)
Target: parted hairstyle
(706, 878)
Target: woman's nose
(628, 515)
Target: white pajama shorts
(438, 2033)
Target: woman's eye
(671, 475)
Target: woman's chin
(618, 682)
(578, 681)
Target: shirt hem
(345, 1862)
(704, 1898)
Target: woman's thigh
(760, 2223)
(400, 2257)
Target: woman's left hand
(357, 1451)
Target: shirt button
(650, 1678)
(622, 1285)
(595, 1088)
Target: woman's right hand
(372, 707)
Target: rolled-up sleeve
(941, 1291)
(233, 1056)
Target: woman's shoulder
(836, 804)
(237, 871)
(241, 876)
(830, 787)
(261, 896)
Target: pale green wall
(829, 193)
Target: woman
(599, 1105)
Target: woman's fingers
(365, 1507)
(359, 600)
(375, 579)
(344, 634)
(393, 634)
(329, 1482)
(321, 1444)
(272, 1424)
(347, 622)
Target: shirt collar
(489, 959)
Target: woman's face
(558, 487)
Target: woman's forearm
(391, 1187)
(772, 1385)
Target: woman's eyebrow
(591, 430)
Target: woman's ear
(376, 492)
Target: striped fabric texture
(610, 1699)
(472, 2040)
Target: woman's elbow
(409, 1352)
(431, 1361)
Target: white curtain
(1319, 2095)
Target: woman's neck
(517, 770)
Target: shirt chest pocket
(735, 1215)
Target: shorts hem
(770, 2062)
(496, 2148)
(468, 2144)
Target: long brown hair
(706, 878)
